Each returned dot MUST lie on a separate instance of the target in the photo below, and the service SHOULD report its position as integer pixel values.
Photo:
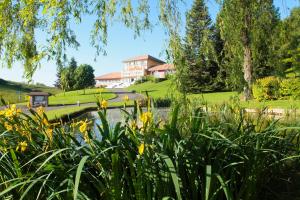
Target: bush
(154, 79)
(266, 88)
(290, 87)
(162, 102)
(142, 80)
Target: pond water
(117, 115)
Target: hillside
(155, 90)
(14, 92)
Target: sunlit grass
(162, 89)
(81, 96)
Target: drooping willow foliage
(21, 20)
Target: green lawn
(14, 92)
(87, 96)
(162, 89)
(58, 113)
(155, 90)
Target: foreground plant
(221, 154)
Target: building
(161, 71)
(38, 99)
(109, 80)
(134, 69)
(138, 67)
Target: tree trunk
(247, 67)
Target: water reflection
(117, 115)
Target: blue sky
(121, 45)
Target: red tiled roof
(38, 94)
(110, 76)
(162, 67)
(143, 57)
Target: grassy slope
(155, 90)
(162, 89)
(87, 96)
(10, 90)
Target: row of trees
(75, 77)
(248, 41)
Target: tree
(65, 79)
(72, 73)
(240, 41)
(288, 46)
(84, 76)
(58, 75)
(199, 49)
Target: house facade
(162, 71)
(133, 69)
(109, 80)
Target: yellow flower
(40, 110)
(8, 113)
(22, 146)
(17, 127)
(84, 126)
(86, 138)
(146, 117)
(49, 133)
(126, 98)
(8, 126)
(13, 107)
(141, 149)
(26, 134)
(46, 122)
(104, 104)
(133, 125)
(2, 112)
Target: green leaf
(78, 174)
(207, 181)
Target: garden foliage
(222, 154)
(266, 88)
(271, 88)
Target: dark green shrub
(290, 87)
(157, 80)
(266, 88)
(169, 76)
(162, 102)
(142, 80)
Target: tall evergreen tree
(72, 73)
(57, 83)
(245, 27)
(288, 45)
(199, 49)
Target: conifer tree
(199, 49)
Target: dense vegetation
(217, 56)
(224, 154)
(75, 77)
